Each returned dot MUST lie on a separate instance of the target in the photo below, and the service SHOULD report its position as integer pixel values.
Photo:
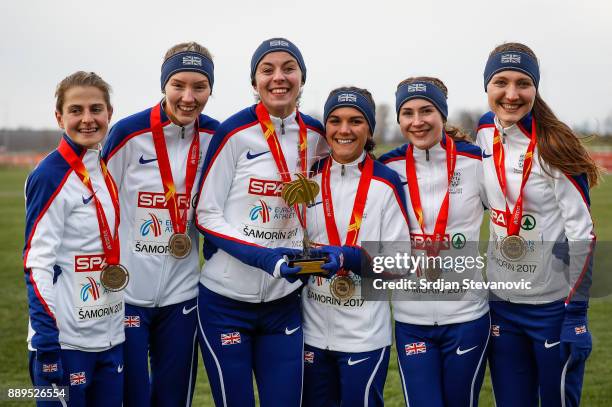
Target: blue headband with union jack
(189, 61)
(348, 98)
(512, 61)
(421, 90)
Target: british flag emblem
(494, 330)
(77, 378)
(48, 368)
(308, 357)
(416, 347)
(192, 60)
(417, 87)
(230, 339)
(510, 59)
(130, 321)
(347, 97)
(279, 43)
(580, 329)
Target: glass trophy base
(311, 265)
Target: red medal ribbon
(358, 206)
(110, 242)
(415, 197)
(277, 152)
(178, 218)
(513, 223)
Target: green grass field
(597, 390)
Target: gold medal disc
(432, 273)
(114, 277)
(342, 287)
(180, 245)
(513, 247)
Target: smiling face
(278, 80)
(186, 96)
(421, 123)
(346, 131)
(511, 95)
(85, 115)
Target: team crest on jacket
(494, 330)
(455, 185)
(232, 338)
(415, 348)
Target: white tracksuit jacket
(63, 258)
(462, 230)
(156, 278)
(555, 210)
(353, 325)
(240, 210)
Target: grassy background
(597, 390)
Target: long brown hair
(455, 132)
(558, 145)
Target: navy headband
(421, 90)
(512, 61)
(347, 98)
(189, 61)
(273, 45)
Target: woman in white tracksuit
(72, 213)
(537, 177)
(347, 338)
(441, 332)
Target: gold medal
(342, 287)
(513, 247)
(180, 245)
(432, 273)
(114, 277)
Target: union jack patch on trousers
(131, 321)
(52, 367)
(230, 339)
(308, 357)
(416, 347)
(580, 329)
(77, 378)
(494, 330)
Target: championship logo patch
(130, 321)
(414, 348)
(494, 330)
(308, 357)
(230, 339)
(77, 378)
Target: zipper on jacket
(427, 154)
(282, 126)
(342, 171)
(503, 137)
(182, 132)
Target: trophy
(300, 193)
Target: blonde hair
(81, 78)
(187, 46)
